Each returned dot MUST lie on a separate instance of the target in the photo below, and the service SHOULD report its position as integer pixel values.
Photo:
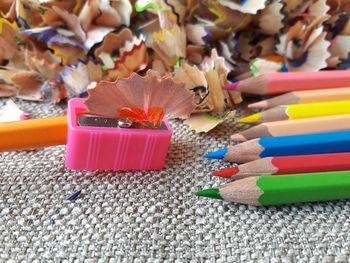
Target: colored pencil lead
(210, 192)
(251, 119)
(231, 86)
(226, 172)
(216, 155)
(74, 196)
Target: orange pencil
(34, 133)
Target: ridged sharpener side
(103, 148)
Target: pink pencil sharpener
(96, 143)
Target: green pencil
(285, 189)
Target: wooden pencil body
(280, 165)
(277, 83)
(303, 97)
(302, 111)
(288, 189)
(293, 127)
(34, 133)
(303, 144)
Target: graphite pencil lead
(210, 192)
(220, 154)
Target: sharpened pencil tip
(250, 119)
(258, 105)
(238, 137)
(231, 86)
(226, 172)
(211, 193)
(220, 154)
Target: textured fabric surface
(153, 216)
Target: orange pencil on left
(33, 133)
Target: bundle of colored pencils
(300, 149)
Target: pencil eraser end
(118, 149)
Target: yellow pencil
(299, 111)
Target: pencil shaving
(114, 41)
(8, 45)
(11, 112)
(140, 94)
(78, 77)
(133, 58)
(204, 122)
(271, 18)
(196, 82)
(249, 6)
(170, 45)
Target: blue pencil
(317, 143)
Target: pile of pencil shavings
(54, 49)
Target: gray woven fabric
(153, 216)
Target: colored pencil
(303, 97)
(286, 189)
(299, 111)
(302, 126)
(277, 82)
(280, 165)
(315, 143)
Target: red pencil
(288, 165)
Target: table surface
(153, 216)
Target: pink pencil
(278, 82)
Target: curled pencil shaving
(204, 122)
(133, 58)
(198, 34)
(23, 83)
(228, 19)
(305, 47)
(8, 44)
(196, 82)
(170, 12)
(77, 78)
(246, 6)
(29, 85)
(270, 18)
(170, 45)
(263, 47)
(7, 90)
(222, 69)
(95, 35)
(339, 49)
(139, 96)
(215, 73)
(319, 9)
(100, 12)
(124, 9)
(72, 22)
(113, 42)
(53, 36)
(42, 62)
(68, 54)
(11, 112)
